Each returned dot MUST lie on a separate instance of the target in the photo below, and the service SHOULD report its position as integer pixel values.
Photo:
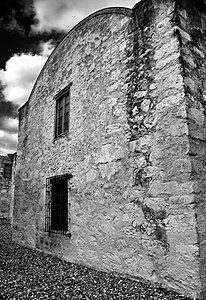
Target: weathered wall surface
(93, 57)
(5, 187)
(136, 145)
(191, 23)
(161, 163)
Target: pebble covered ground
(28, 274)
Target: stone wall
(5, 187)
(160, 160)
(191, 24)
(135, 148)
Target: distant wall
(11, 205)
(5, 185)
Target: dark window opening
(58, 206)
(7, 171)
(62, 112)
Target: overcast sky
(29, 30)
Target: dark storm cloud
(17, 15)
(8, 109)
(13, 42)
(16, 20)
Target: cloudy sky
(29, 30)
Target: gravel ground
(29, 274)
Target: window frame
(63, 96)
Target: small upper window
(62, 112)
(7, 171)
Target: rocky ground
(29, 274)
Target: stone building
(110, 169)
(6, 186)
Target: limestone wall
(93, 57)
(161, 162)
(5, 187)
(135, 147)
(191, 33)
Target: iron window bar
(7, 171)
(57, 206)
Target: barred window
(7, 171)
(62, 112)
(57, 205)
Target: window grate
(8, 171)
(57, 207)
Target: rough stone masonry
(135, 149)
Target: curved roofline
(110, 10)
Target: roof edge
(141, 2)
(109, 10)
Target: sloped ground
(29, 274)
